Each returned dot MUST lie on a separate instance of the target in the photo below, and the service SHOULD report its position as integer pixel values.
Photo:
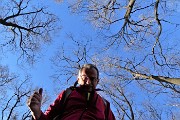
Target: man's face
(88, 77)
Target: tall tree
(137, 50)
(134, 27)
(131, 98)
(14, 92)
(13, 95)
(25, 26)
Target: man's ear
(98, 81)
(78, 80)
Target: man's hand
(34, 104)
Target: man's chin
(88, 87)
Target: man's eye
(92, 78)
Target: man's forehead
(89, 70)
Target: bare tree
(14, 95)
(5, 76)
(131, 103)
(13, 99)
(25, 27)
(137, 50)
(122, 88)
(134, 27)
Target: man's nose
(87, 80)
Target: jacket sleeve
(53, 109)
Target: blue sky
(43, 69)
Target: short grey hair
(89, 66)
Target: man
(83, 103)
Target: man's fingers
(40, 91)
(33, 102)
(35, 97)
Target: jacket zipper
(87, 104)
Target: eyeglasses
(87, 77)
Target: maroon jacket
(78, 108)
